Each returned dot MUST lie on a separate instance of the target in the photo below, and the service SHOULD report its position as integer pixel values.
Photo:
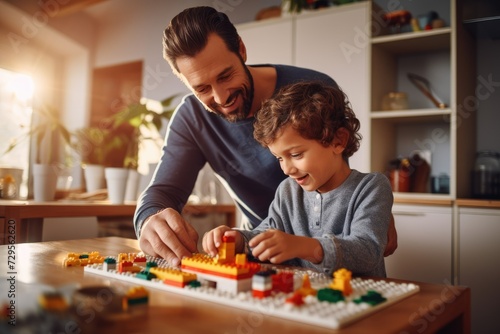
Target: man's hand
(213, 239)
(167, 235)
(392, 238)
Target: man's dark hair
(187, 34)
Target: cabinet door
(268, 41)
(479, 249)
(424, 250)
(334, 41)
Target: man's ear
(340, 140)
(243, 50)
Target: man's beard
(247, 95)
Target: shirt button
(318, 196)
(316, 209)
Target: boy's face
(312, 165)
(219, 79)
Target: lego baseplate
(312, 311)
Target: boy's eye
(296, 155)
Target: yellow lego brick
(175, 275)
(137, 292)
(206, 263)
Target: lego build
(295, 294)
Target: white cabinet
(424, 250)
(269, 41)
(479, 265)
(333, 41)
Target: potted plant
(91, 145)
(46, 135)
(144, 125)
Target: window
(16, 97)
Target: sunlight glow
(22, 87)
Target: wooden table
(25, 218)
(433, 308)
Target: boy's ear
(340, 140)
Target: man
(214, 125)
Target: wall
(135, 32)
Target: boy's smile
(312, 165)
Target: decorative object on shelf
(440, 184)
(267, 13)
(296, 6)
(486, 175)
(425, 87)
(430, 20)
(395, 101)
(10, 181)
(397, 19)
(410, 174)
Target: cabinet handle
(408, 213)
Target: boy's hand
(274, 246)
(277, 246)
(213, 239)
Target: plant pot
(44, 182)
(116, 179)
(94, 177)
(131, 191)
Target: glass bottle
(486, 175)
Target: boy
(324, 215)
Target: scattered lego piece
(109, 264)
(262, 284)
(342, 281)
(330, 295)
(52, 302)
(144, 274)
(306, 289)
(137, 295)
(371, 297)
(296, 299)
(282, 281)
(82, 259)
(127, 266)
(173, 276)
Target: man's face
(219, 79)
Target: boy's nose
(288, 168)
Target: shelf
(413, 115)
(422, 198)
(478, 203)
(415, 42)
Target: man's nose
(220, 96)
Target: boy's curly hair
(314, 109)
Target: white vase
(116, 180)
(94, 177)
(44, 182)
(131, 191)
